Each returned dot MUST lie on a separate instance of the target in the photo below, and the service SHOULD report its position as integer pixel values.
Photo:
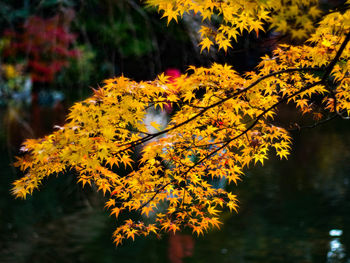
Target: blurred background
(52, 52)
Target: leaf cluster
(225, 124)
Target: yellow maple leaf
(206, 43)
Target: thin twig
(318, 123)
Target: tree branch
(331, 65)
(314, 124)
(326, 74)
(154, 135)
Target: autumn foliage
(224, 122)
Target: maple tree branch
(326, 74)
(243, 132)
(331, 65)
(154, 135)
(234, 95)
(156, 193)
(329, 70)
(252, 125)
